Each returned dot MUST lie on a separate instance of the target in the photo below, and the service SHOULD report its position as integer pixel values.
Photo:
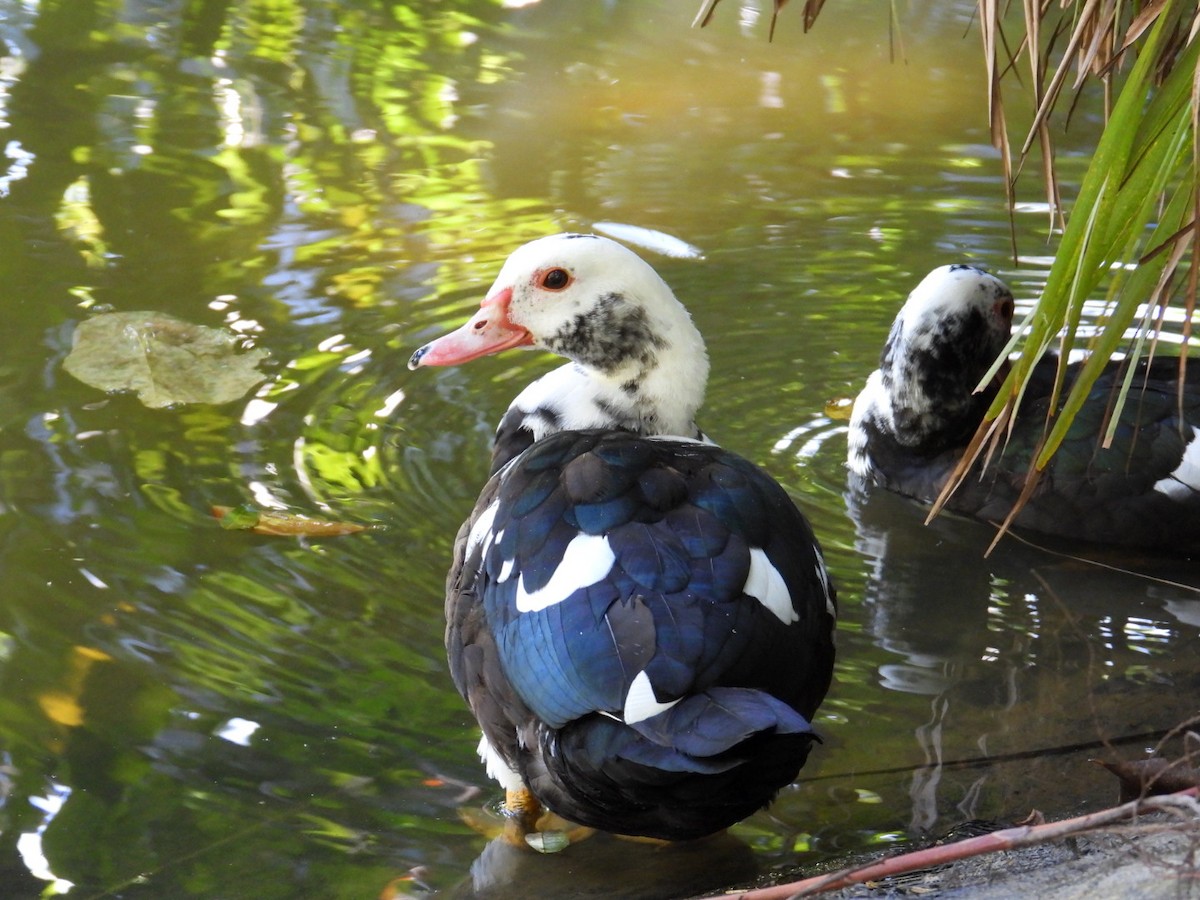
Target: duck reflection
(926, 592)
(1033, 649)
(608, 866)
(935, 599)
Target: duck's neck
(656, 392)
(662, 391)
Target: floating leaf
(839, 408)
(273, 522)
(164, 359)
(649, 239)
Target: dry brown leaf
(1148, 777)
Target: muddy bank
(1108, 855)
(1143, 861)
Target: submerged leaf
(237, 518)
(273, 522)
(166, 360)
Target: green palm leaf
(1131, 229)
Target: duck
(640, 621)
(917, 412)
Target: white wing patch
(766, 585)
(497, 768)
(823, 577)
(482, 529)
(1185, 480)
(587, 559)
(640, 702)
(505, 571)
(680, 439)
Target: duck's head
(581, 296)
(953, 326)
(958, 318)
(599, 304)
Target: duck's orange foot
(522, 809)
(523, 822)
(530, 824)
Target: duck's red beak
(488, 331)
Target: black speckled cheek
(944, 371)
(956, 355)
(607, 336)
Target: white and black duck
(918, 410)
(641, 622)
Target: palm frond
(1132, 226)
(1133, 222)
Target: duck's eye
(555, 279)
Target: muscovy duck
(917, 412)
(641, 622)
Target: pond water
(189, 711)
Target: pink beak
(488, 331)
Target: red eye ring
(555, 279)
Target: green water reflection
(188, 711)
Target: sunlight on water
(238, 731)
(29, 844)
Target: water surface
(194, 712)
